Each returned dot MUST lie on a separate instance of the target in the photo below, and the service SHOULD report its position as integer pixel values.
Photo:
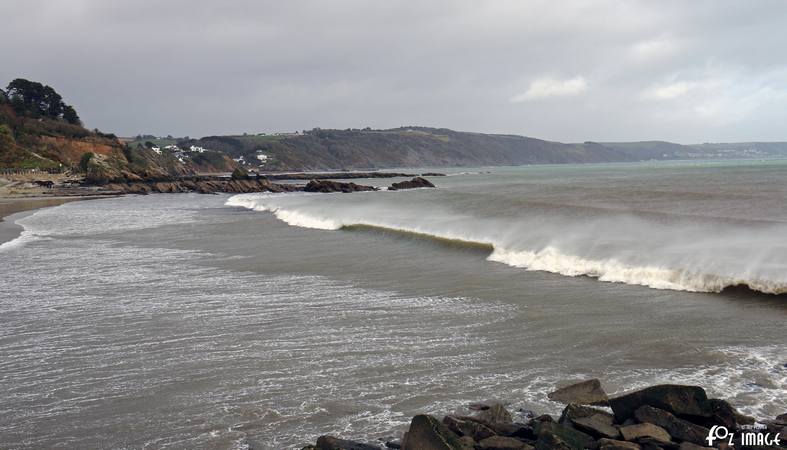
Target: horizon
(601, 72)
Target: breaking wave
(692, 277)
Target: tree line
(34, 99)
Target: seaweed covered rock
(335, 186)
(417, 182)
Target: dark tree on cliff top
(38, 100)
(70, 115)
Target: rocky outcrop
(335, 186)
(416, 182)
(671, 417)
(585, 393)
(202, 186)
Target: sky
(570, 70)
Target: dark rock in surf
(683, 401)
(554, 434)
(334, 443)
(572, 411)
(326, 186)
(503, 443)
(646, 432)
(612, 444)
(415, 183)
(474, 429)
(679, 429)
(427, 433)
(597, 426)
(584, 393)
(496, 413)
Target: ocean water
(263, 321)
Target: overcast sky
(569, 70)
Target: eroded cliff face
(69, 150)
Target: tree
(35, 99)
(85, 160)
(70, 115)
(3, 97)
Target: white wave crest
(290, 217)
(552, 260)
(548, 259)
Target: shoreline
(16, 207)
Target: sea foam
(686, 274)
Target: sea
(262, 321)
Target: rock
(516, 430)
(478, 407)
(681, 430)
(475, 430)
(335, 186)
(427, 433)
(393, 443)
(782, 417)
(676, 399)
(467, 443)
(585, 393)
(561, 436)
(496, 413)
(503, 443)
(572, 411)
(690, 446)
(611, 444)
(416, 182)
(544, 418)
(596, 426)
(334, 443)
(720, 412)
(645, 431)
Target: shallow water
(177, 321)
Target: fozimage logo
(720, 433)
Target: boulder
(503, 443)
(596, 426)
(645, 431)
(496, 413)
(690, 446)
(516, 430)
(720, 412)
(427, 433)
(585, 393)
(335, 186)
(474, 429)
(416, 182)
(683, 401)
(561, 436)
(612, 444)
(572, 411)
(679, 429)
(334, 443)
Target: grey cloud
(199, 67)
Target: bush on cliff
(239, 174)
